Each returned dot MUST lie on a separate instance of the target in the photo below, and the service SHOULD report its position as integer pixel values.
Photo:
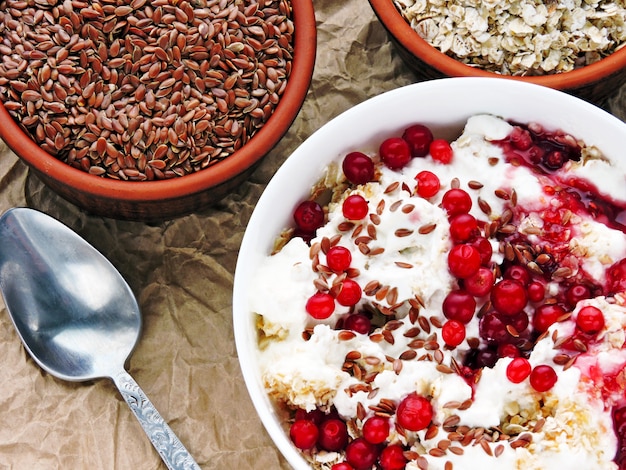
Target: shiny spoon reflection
(76, 315)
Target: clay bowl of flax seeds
(575, 46)
(150, 109)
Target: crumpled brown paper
(182, 273)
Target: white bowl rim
(525, 102)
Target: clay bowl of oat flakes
(150, 110)
(442, 286)
(572, 46)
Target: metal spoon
(76, 315)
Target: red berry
(543, 378)
(309, 216)
(519, 274)
(395, 153)
(508, 350)
(518, 369)
(316, 415)
(590, 319)
(494, 330)
(463, 261)
(333, 435)
(428, 184)
(480, 284)
(414, 413)
(320, 305)
(616, 277)
(376, 429)
(441, 151)
(546, 315)
(463, 227)
(520, 138)
(303, 434)
(361, 454)
(459, 305)
(338, 258)
(456, 201)
(358, 168)
(350, 293)
(575, 294)
(419, 138)
(358, 322)
(536, 291)
(509, 297)
(392, 458)
(453, 333)
(355, 207)
(342, 466)
(484, 248)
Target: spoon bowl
(75, 314)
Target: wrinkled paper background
(182, 273)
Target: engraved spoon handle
(172, 451)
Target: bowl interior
(444, 105)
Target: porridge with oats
(527, 37)
(454, 305)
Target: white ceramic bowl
(444, 105)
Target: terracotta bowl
(164, 199)
(594, 82)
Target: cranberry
(509, 297)
(320, 305)
(484, 248)
(456, 201)
(616, 277)
(333, 435)
(486, 358)
(536, 291)
(303, 434)
(414, 413)
(395, 153)
(519, 274)
(518, 369)
(508, 350)
(358, 322)
(350, 293)
(494, 330)
(463, 227)
(520, 138)
(459, 305)
(355, 207)
(428, 184)
(316, 415)
(342, 466)
(543, 378)
(453, 333)
(554, 159)
(309, 216)
(361, 454)
(376, 429)
(392, 458)
(338, 258)
(358, 168)
(441, 151)
(419, 138)
(546, 315)
(480, 284)
(463, 261)
(519, 321)
(576, 293)
(590, 319)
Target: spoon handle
(172, 451)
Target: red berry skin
(456, 201)
(355, 207)
(342, 466)
(518, 370)
(616, 277)
(463, 227)
(536, 291)
(459, 305)
(358, 322)
(453, 333)
(463, 261)
(376, 429)
(320, 305)
(519, 274)
(428, 184)
(349, 294)
(309, 216)
(546, 315)
(575, 294)
(338, 258)
(358, 168)
(361, 454)
(395, 153)
(441, 151)
(543, 378)
(392, 458)
(484, 248)
(590, 320)
(414, 412)
(509, 297)
(480, 284)
(333, 435)
(304, 434)
(419, 138)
